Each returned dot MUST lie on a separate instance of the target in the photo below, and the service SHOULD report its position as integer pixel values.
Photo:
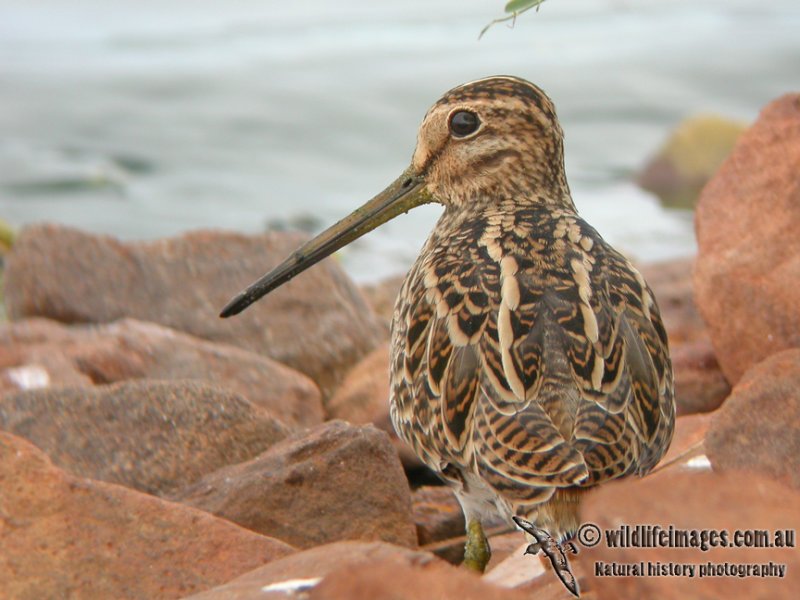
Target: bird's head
(487, 140)
(492, 138)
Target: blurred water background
(143, 119)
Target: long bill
(405, 193)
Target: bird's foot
(476, 551)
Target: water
(145, 119)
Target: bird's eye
(463, 123)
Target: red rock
(504, 547)
(40, 368)
(318, 323)
(153, 436)
(334, 482)
(700, 385)
(363, 397)
(671, 282)
(450, 550)
(688, 441)
(381, 296)
(130, 349)
(692, 500)
(62, 536)
(309, 565)
(549, 587)
(390, 580)
(437, 514)
(748, 234)
(32, 331)
(758, 427)
(529, 574)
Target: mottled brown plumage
(529, 361)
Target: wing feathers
(537, 366)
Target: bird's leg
(476, 551)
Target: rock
(700, 385)
(450, 550)
(758, 427)
(699, 382)
(130, 349)
(318, 323)
(388, 579)
(382, 296)
(688, 443)
(63, 536)
(310, 565)
(363, 397)
(37, 371)
(39, 368)
(529, 574)
(334, 482)
(689, 158)
(437, 514)
(671, 282)
(690, 500)
(32, 331)
(509, 548)
(152, 436)
(748, 234)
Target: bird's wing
(538, 373)
(577, 385)
(440, 316)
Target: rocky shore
(149, 449)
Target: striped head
(492, 138)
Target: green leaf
(513, 8)
(517, 6)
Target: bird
(529, 362)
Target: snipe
(529, 361)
